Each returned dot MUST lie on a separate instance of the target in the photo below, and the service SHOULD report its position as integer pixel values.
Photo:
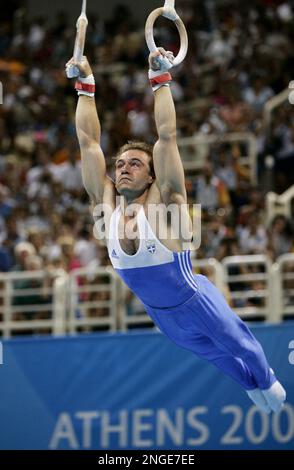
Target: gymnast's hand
(83, 66)
(161, 60)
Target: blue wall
(135, 391)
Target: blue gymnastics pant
(207, 326)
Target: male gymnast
(187, 308)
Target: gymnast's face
(132, 173)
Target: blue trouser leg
(207, 326)
(204, 348)
(232, 366)
(230, 334)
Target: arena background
(83, 367)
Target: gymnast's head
(134, 172)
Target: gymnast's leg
(208, 327)
(232, 366)
(229, 334)
(179, 328)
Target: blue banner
(136, 391)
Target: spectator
(23, 251)
(67, 244)
(31, 263)
(5, 260)
(257, 94)
(211, 192)
(280, 236)
(253, 237)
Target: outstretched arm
(168, 166)
(89, 133)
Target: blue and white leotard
(187, 308)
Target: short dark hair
(138, 145)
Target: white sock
(275, 396)
(259, 400)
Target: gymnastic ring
(171, 14)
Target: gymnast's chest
(128, 235)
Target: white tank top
(158, 276)
(151, 251)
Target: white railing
(274, 103)
(31, 302)
(41, 302)
(93, 299)
(279, 204)
(212, 269)
(132, 313)
(248, 279)
(283, 287)
(195, 150)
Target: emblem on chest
(150, 245)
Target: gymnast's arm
(168, 166)
(89, 135)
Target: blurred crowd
(240, 55)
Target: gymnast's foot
(268, 400)
(259, 400)
(275, 396)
